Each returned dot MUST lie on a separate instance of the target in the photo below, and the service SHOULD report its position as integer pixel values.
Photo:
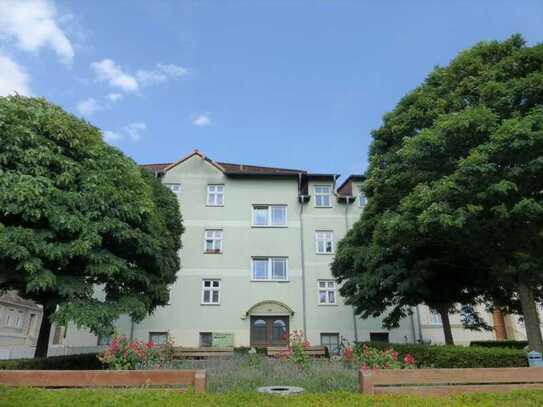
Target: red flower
(409, 359)
(395, 355)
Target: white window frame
(269, 268)
(211, 289)
(172, 186)
(269, 223)
(330, 239)
(317, 194)
(213, 192)
(159, 333)
(327, 289)
(215, 239)
(362, 200)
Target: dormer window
(323, 196)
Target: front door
(269, 331)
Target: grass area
(137, 397)
(247, 372)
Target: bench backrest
(182, 379)
(310, 350)
(446, 381)
(182, 352)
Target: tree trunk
(531, 317)
(42, 345)
(447, 331)
(499, 325)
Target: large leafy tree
(83, 230)
(454, 187)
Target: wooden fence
(177, 379)
(447, 381)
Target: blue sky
(296, 84)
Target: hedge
(441, 356)
(87, 361)
(500, 344)
(137, 397)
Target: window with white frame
(175, 188)
(158, 338)
(324, 241)
(211, 291)
(269, 269)
(104, 340)
(269, 215)
(213, 241)
(361, 197)
(327, 292)
(215, 195)
(323, 196)
(435, 317)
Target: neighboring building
(19, 321)
(256, 262)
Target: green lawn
(25, 397)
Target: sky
(295, 84)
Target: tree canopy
(79, 218)
(454, 185)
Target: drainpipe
(355, 324)
(302, 256)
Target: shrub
(125, 355)
(368, 357)
(296, 349)
(500, 344)
(87, 361)
(442, 356)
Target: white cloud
(201, 120)
(33, 25)
(135, 129)
(110, 136)
(162, 73)
(89, 106)
(13, 78)
(172, 70)
(108, 71)
(114, 97)
(148, 78)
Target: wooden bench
(201, 353)
(447, 381)
(312, 351)
(176, 379)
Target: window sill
(328, 305)
(325, 254)
(206, 304)
(210, 252)
(269, 281)
(269, 226)
(214, 206)
(325, 207)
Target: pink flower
(409, 359)
(395, 355)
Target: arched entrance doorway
(269, 323)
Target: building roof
(346, 188)
(232, 169)
(11, 298)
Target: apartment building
(255, 262)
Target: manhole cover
(281, 390)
